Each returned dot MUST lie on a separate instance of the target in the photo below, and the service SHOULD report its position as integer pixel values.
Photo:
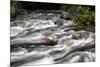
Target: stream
(48, 37)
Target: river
(39, 28)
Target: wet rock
(37, 40)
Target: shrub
(13, 9)
(85, 16)
(66, 7)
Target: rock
(66, 15)
(14, 31)
(37, 40)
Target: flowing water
(71, 45)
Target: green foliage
(85, 16)
(13, 8)
(66, 7)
